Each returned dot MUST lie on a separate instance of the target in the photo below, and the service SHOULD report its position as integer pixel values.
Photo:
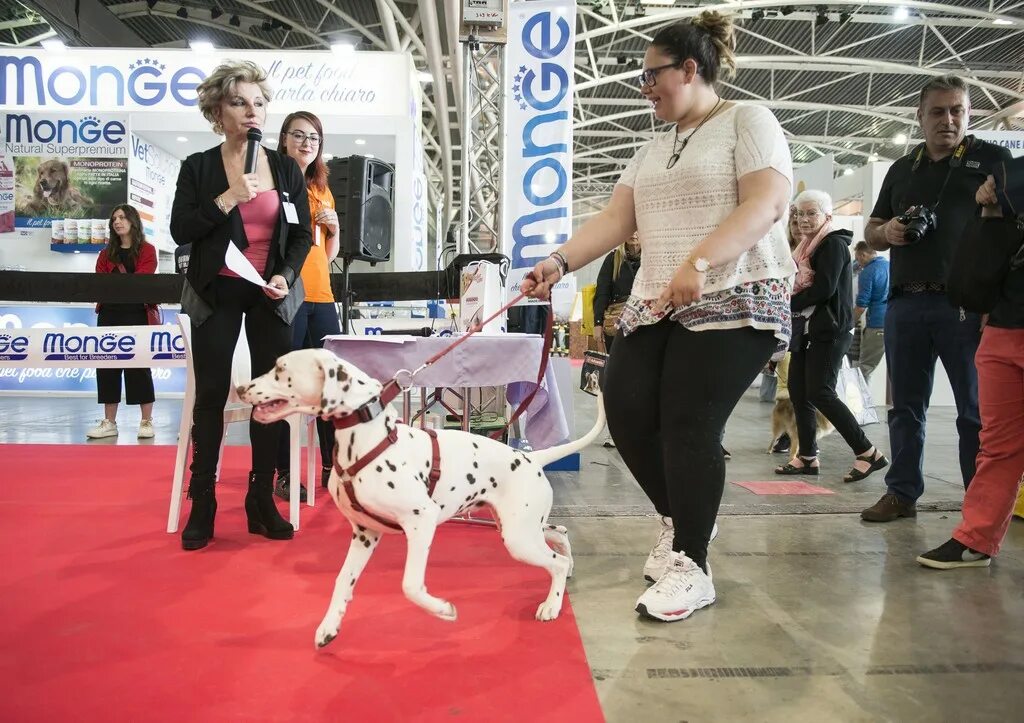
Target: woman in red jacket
(127, 252)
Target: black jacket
(610, 290)
(196, 220)
(1009, 310)
(831, 293)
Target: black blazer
(831, 292)
(196, 220)
(612, 290)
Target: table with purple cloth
(509, 360)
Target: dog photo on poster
(65, 166)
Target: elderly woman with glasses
(265, 216)
(822, 324)
(710, 302)
(301, 138)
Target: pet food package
(481, 296)
(71, 230)
(99, 231)
(57, 231)
(6, 198)
(84, 231)
(592, 371)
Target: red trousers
(989, 501)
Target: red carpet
(104, 617)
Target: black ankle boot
(199, 528)
(261, 512)
(325, 476)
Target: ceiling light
(822, 17)
(424, 76)
(757, 15)
(182, 139)
(182, 13)
(215, 12)
(235, 20)
(360, 142)
(900, 14)
(343, 48)
(847, 171)
(54, 45)
(369, 155)
(873, 158)
(1002, 21)
(201, 46)
(658, 2)
(327, 156)
(899, 139)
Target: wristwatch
(699, 263)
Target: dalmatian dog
(474, 471)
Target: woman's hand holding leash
(538, 283)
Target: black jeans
(138, 383)
(668, 392)
(213, 346)
(813, 372)
(313, 322)
(918, 329)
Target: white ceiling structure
(842, 76)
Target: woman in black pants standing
(710, 303)
(614, 284)
(266, 216)
(822, 320)
(127, 252)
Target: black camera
(919, 220)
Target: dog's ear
(345, 387)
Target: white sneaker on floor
(105, 428)
(683, 589)
(146, 429)
(658, 559)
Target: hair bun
(722, 32)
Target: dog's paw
(448, 613)
(327, 631)
(549, 610)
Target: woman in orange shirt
(302, 138)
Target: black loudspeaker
(364, 195)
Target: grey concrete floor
(820, 617)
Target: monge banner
(116, 347)
(537, 214)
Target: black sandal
(877, 462)
(789, 468)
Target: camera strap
(955, 161)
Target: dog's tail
(547, 456)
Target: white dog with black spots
(475, 471)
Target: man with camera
(923, 209)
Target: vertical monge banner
(537, 214)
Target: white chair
(234, 411)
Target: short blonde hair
(221, 82)
(821, 199)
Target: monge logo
(167, 345)
(539, 90)
(13, 348)
(59, 346)
(146, 82)
(21, 129)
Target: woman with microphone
(242, 194)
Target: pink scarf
(802, 256)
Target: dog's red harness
(363, 414)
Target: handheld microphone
(254, 136)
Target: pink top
(259, 217)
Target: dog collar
(369, 410)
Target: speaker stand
(347, 295)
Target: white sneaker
(146, 429)
(657, 561)
(105, 428)
(683, 589)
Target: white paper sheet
(236, 261)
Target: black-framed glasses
(650, 75)
(300, 138)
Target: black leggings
(668, 393)
(213, 346)
(813, 371)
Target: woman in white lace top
(710, 304)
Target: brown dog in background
(784, 421)
(53, 193)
